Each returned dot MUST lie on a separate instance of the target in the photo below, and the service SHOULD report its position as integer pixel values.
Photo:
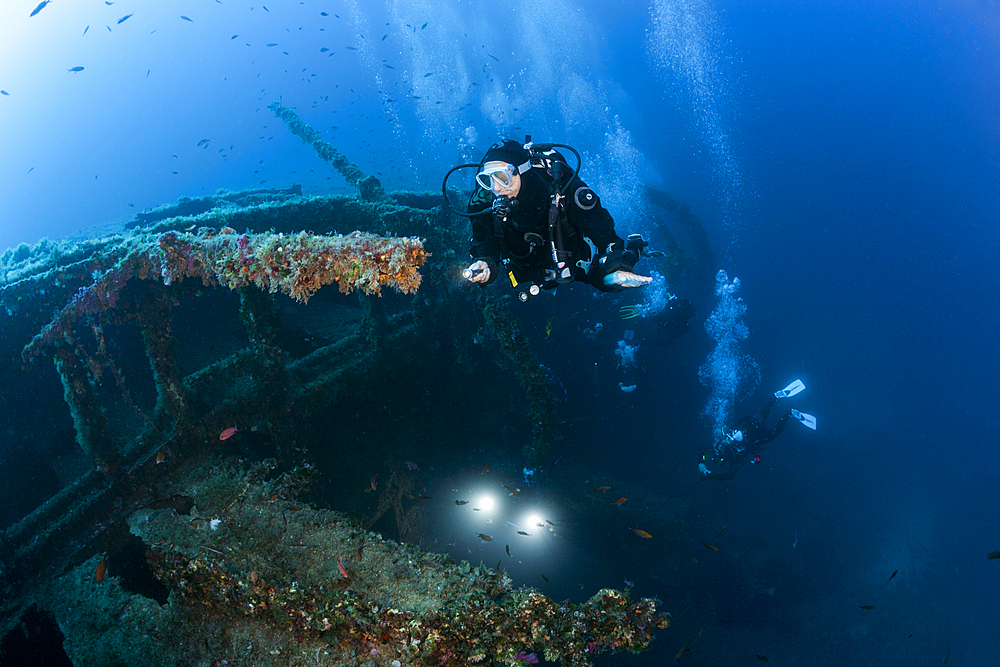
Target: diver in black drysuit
(674, 324)
(535, 221)
(741, 444)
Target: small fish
(891, 576)
(160, 456)
(424, 25)
(324, 50)
(545, 578)
(85, 30)
(540, 525)
(4, 92)
(461, 502)
(710, 547)
(186, 18)
(511, 489)
(125, 18)
(411, 465)
(521, 532)
(40, 7)
(485, 537)
(340, 566)
(507, 547)
(693, 559)
(629, 584)
(428, 74)
(620, 501)
(371, 484)
(388, 66)
(641, 533)
(235, 36)
(228, 433)
(384, 36)
(684, 649)
(720, 532)
(947, 655)
(486, 468)
(421, 497)
(102, 567)
(323, 14)
(271, 44)
(75, 69)
(602, 488)
(993, 555)
(147, 73)
(866, 606)
(762, 658)
(549, 522)
(203, 142)
(493, 56)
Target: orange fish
(160, 456)
(683, 650)
(709, 546)
(620, 501)
(340, 566)
(228, 433)
(602, 488)
(641, 533)
(511, 489)
(102, 570)
(371, 484)
(486, 468)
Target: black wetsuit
(726, 458)
(524, 240)
(675, 322)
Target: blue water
(845, 158)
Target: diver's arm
(484, 250)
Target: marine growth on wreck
(186, 553)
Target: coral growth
(296, 264)
(313, 577)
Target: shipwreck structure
(151, 482)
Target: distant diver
(674, 322)
(535, 220)
(748, 435)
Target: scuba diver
(535, 220)
(743, 442)
(674, 322)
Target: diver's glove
(625, 279)
(478, 272)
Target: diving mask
(496, 175)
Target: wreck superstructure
(76, 305)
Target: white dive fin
(790, 390)
(807, 420)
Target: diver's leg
(767, 409)
(780, 426)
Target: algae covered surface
(257, 578)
